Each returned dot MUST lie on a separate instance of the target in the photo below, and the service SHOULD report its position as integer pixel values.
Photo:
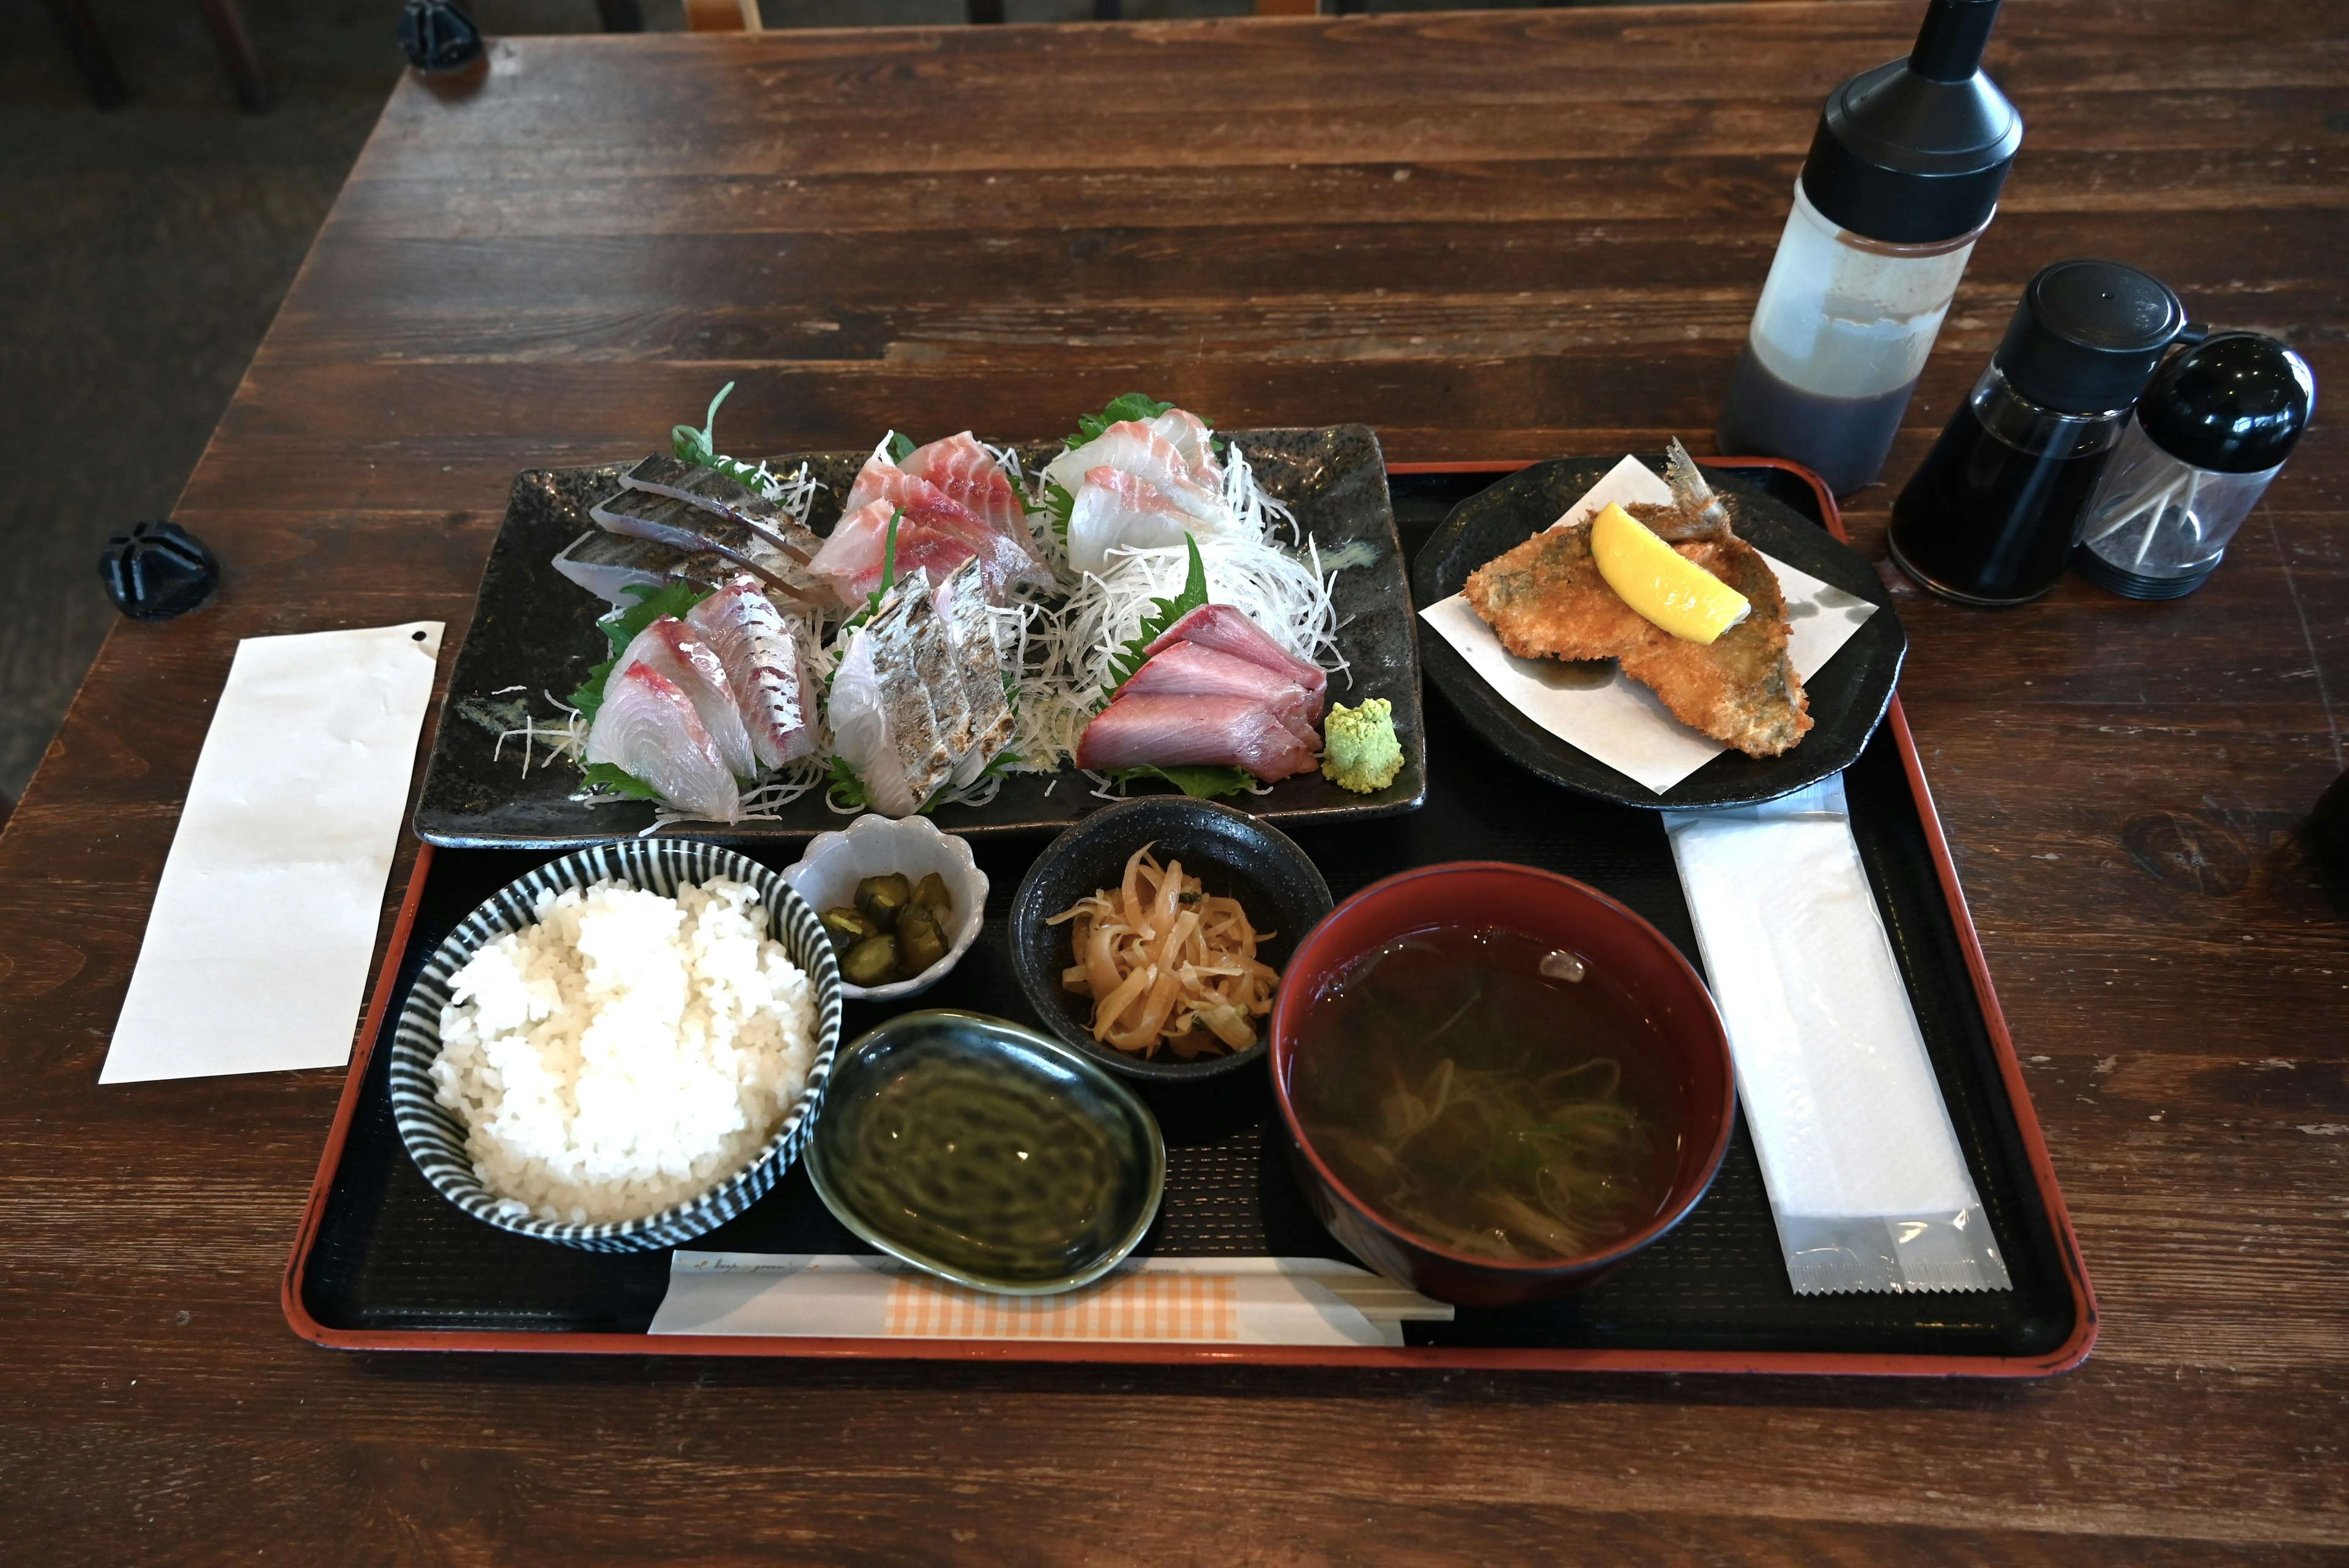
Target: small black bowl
(1233, 855)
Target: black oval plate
(1848, 698)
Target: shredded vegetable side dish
(1168, 964)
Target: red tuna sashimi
(647, 729)
(1161, 731)
(1227, 629)
(671, 651)
(968, 473)
(765, 656)
(1191, 669)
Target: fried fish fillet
(1545, 599)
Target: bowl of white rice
(621, 1051)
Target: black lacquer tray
(535, 631)
(383, 1262)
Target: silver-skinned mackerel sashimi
(765, 655)
(647, 729)
(961, 605)
(712, 491)
(882, 724)
(692, 530)
(670, 651)
(1155, 730)
(609, 565)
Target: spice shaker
(1990, 516)
(2210, 432)
(1902, 177)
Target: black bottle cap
(158, 570)
(2234, 403)
(1915, 152)
(2087, 335)
(438, 36)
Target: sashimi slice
(711, 491)
(1160, 731)
(1189, 434)
(961, 603)
(882, 722)
(766, 659)
(850, 560)
(1227, 629)
(1115, 510)
(647, 729)
(1135, 448)
(881, 480)
(689, 529)
(967, 473)
(1193, 669)
(671, 651)
(609, 565)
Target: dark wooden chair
(86, 47)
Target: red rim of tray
(2070, 1353)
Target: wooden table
(1515, 234)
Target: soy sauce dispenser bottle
(1903, 175)
(1990, 515)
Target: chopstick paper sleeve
(1866, 1181)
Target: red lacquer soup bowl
(1651, 997)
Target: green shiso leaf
(620, 628)
(846, 787)
(901, 446)
(1200, 781)
(1194, 595)
(1059, 505)
(613, 779)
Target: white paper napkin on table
(1867, 1182)
(257, 952)
(1614, 718)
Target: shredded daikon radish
(1167, 963)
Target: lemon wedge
(1660, 583)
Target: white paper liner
(1867, 1184)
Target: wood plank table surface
(1505, 234)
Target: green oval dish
(987, 1153)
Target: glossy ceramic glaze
(1677, 1021)
(987, 1153)
(1233, 854)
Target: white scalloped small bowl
(827, 875)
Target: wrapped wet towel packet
(1867, 1182)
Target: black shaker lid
(2087, 335)
(2234, 403)
(1915, 151)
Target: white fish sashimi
(765, 655)
(671, 651)
(1189, 434)
(1116, 510)
(1135, 447)
(962, 610)
(883, 725)
(648, 728)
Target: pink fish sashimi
(647, 729)
(968, 473)
(1156, 730)
(1140, 451)
(931, 543)
(765, 655)
(851, 559)
(1192, 670)
(672, 652)
(881, 480)
(1227, 629)
(1116, 510)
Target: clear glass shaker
(2212, 429)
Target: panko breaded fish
(1545, 599)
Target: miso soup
(1478, 1103)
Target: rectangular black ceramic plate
(389, 1256)
(533, 628)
